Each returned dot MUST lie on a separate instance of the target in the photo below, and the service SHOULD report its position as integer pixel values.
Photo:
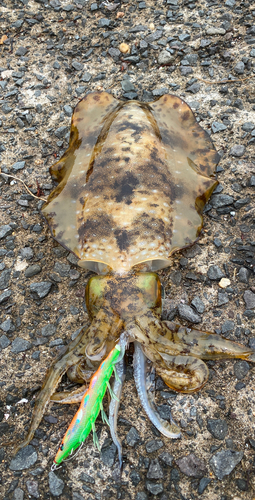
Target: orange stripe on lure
(91, 404)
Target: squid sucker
(130, 191)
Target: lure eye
(61, 447)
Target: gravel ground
(52, 53)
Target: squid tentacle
(114, 406)
(170, 430)
(119, 370)
(53, 377)
(69, 397)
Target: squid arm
(170, 430)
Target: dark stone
(77, 65)
(86, 478)
(135, 478)
(221, 200)
(40, 290)
(218, 428)
(194, 88)
(243, 275)
(61, 132)
(248, 127)
(32, 270)
(187, 313)
(56, 484)
(249, 299)
(192, 466)
(154, 488)
(155, 471)
(165, 58)
(166, 458)
(130, 95)
(62, 269)
(222, 298)
(239, 68)
(241, 202)
(77, 496)
(48, 330)
(68, 110)
(86, 77)
(227, 326)
(7, 326)
(21, 51)
(4, 279)
(114, 53)
(239, 386)
(132, 437)
(160, 92)
(108, 454)
(252, 343)
(237, 150)
(141, 495)
(32, 488)
(154, 445)
(127, 85)
(215, 273)
(132, 59)
(19, 165)
(5, 231)
(223, 462)
(20, 345)
(242, 484)
(176, 277)
(5, 296)
(25, 458)
(198, 304)
(4, 342)
(50, 419)
(104, 23)
(18, 494)
(27, 253)
(241, 369)
(218, 127)
(203, 484)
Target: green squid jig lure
(91, 404)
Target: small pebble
(224, 282)
(124, 48)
